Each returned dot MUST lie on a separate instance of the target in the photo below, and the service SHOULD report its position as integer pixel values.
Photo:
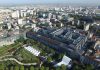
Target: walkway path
(13, 59)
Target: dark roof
(88, 19)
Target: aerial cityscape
(50, 35)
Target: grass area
(6, 49)
(25, 56)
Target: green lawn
(4, 49)
(25, 56)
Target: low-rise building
(65, 61)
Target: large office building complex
(65, 40)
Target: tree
(36, 69)
(89, 67)
(22, 67)
(63, 67)
(42, 68)
(49, 59)
(46, 68)
(58, 68)
(1, 66)
(61, 56)
(21, 39)
(11, 67)
(31, 68)
(16, 67)
(76, 67)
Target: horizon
(16, 2)
(50, 4)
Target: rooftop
(65, 60)
(32, 50)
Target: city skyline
(50, 35)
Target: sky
(48, 1)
